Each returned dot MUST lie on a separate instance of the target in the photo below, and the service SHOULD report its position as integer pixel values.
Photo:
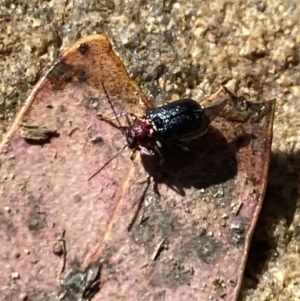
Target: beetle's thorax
(140, 133)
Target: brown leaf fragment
(36, 133)
(158, 249)
(241, 109)
(79, 284)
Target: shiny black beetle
(180, 120)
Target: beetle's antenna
(106, 163)
(119, 127)
(110, 103)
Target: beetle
(181, 120)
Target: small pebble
(15, 275)
(7, 209)
(23, 296)
(17, 255)
(57, 249)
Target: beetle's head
(140, 133)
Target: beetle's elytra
(181, 119)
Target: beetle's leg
(181, 145)
(120, 127)
(128, 120)
(157, 147)
(133, 155)
(126, 115)
(158, 144)
(120, 115)
(108, 120)
(153, 150)
(146, 151)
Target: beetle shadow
(209, 160)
